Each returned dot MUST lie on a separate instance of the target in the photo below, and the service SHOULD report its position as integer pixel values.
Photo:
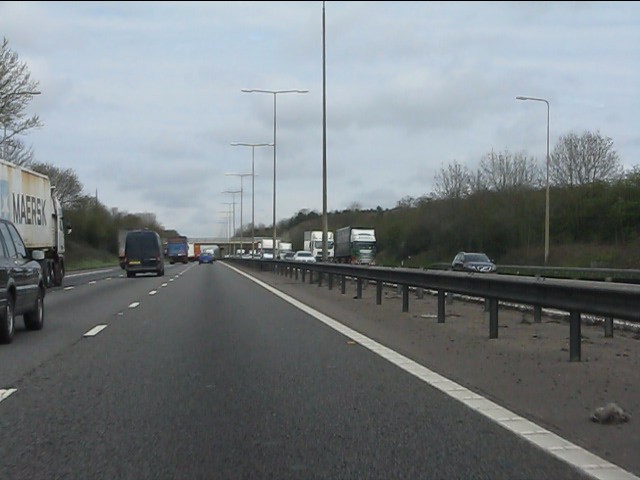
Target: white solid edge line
(4, 393)
(134, 304)
(548, 441)
(95, 330)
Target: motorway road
(205, 374)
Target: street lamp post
(275, 94)
(232, 208)
(241, 175)
(546, 213)
(228, 222)
(253, 184)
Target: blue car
(206, 257)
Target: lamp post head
(239, 144)
(257, 90)
(537, 99)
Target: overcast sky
(143, 99)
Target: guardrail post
(359, 289)
(343, 286)
(493, 317)
(310, 276)
(379, 292)
(537, 314)
(405, 298)
(330, 281)
(575, 336)
(441, 300)
(320, 275)
(608, 327)
(608, 321)
(295, 272)
(304, 274)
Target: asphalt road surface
(206, 374)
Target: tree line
(498, 208)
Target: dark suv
(143, 253)
(473, 262)
(21, 283)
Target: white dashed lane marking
(95, 330)
(4, 393)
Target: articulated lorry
(177, 249)
(355, 245)
(28, 199)
(313, 243)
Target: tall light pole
(241, 175)
(325, 221)
(253, 184)
(275, 94)
(546, 213)
(233, 209)
(228, 221)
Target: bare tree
(406, 202)
(16, 92)
(506, 171)
(580, 160)
(68, 187)
(453, 181)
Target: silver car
(303, 256)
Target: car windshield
(477, 257)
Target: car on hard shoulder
(22, 285)
(206, 257)
(303, 256)
(473, 262)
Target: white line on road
(95, 330)
(69, 288)
(92, 272)
(4, 393)
(92, 282)
(134, 304)
(548, 441)
(153, 292)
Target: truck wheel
(130, 274)
(48, 274)
(7, 322)
(57, 274)
(34, 319)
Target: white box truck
(313, 243)
(28, 199)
